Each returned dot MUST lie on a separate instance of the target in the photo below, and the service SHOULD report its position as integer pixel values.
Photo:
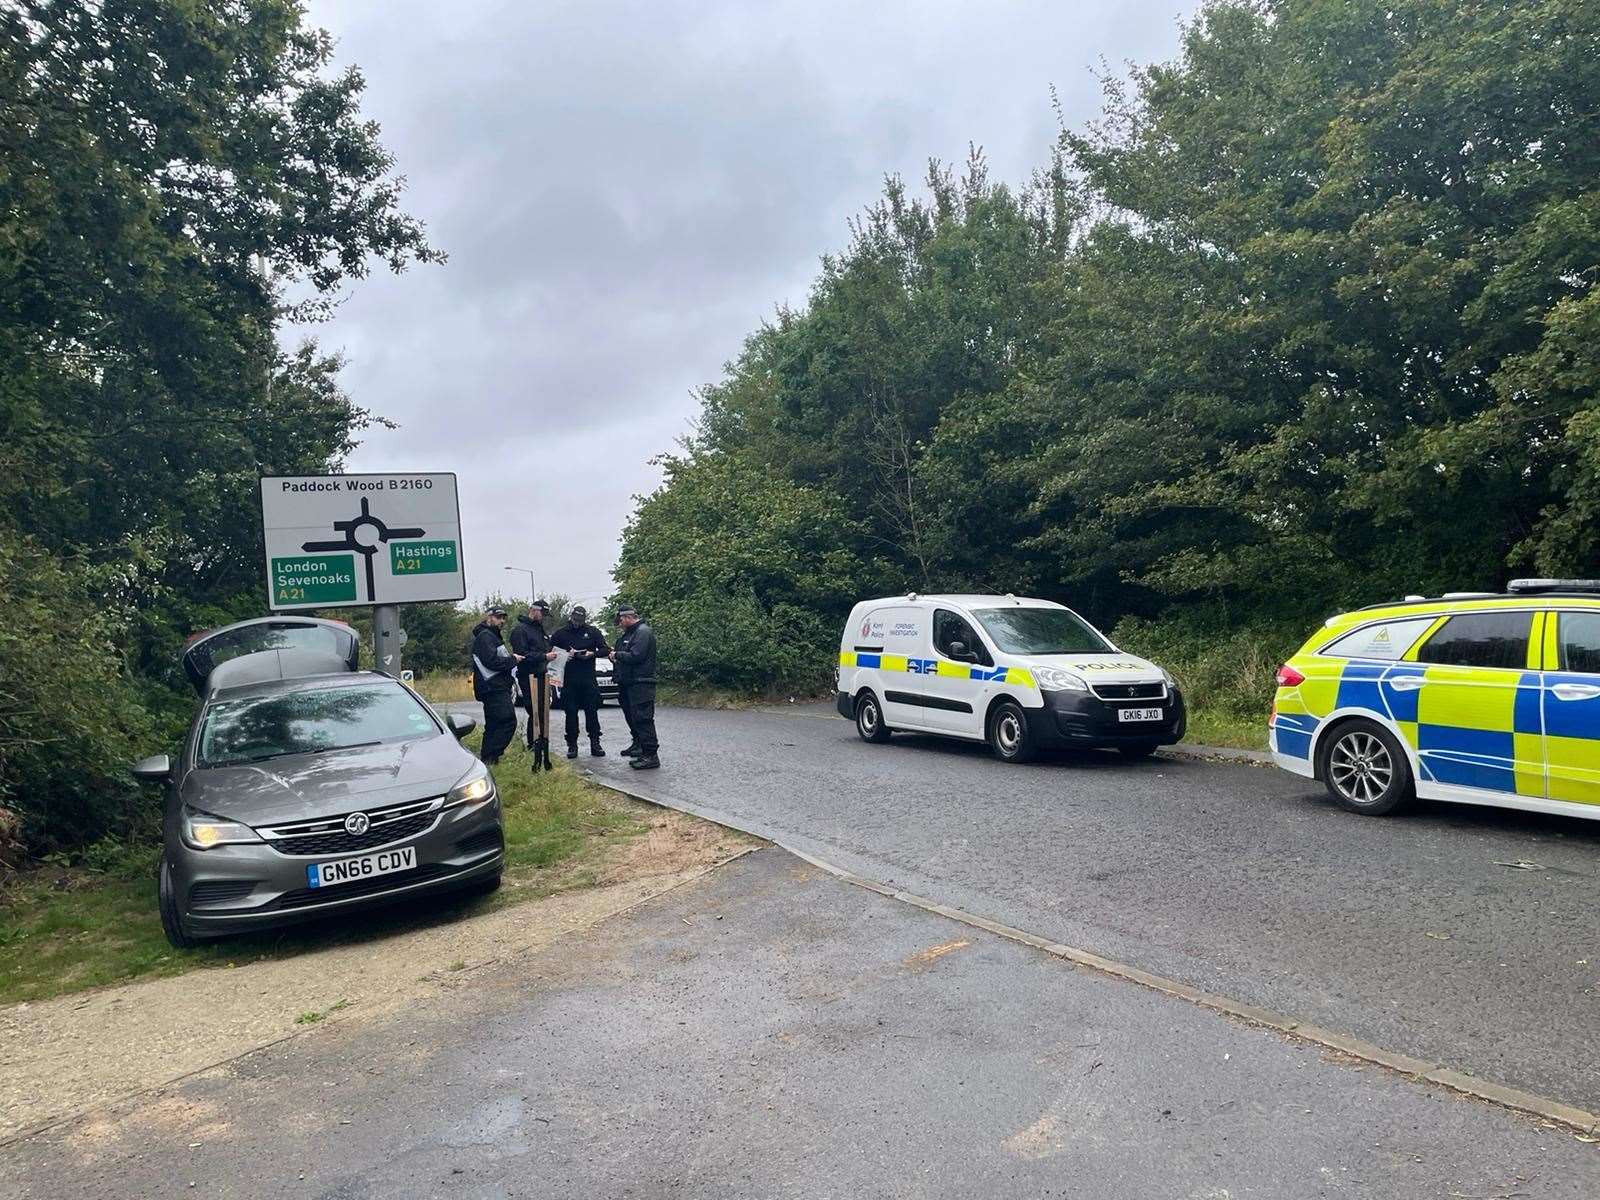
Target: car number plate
(348, 870)
(1139, 714)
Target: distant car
(306, 787)
(1023, 675)
(605, 677)
(1473, 697)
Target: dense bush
(1308, 319)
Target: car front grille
(1131, 691)
(327, 835)
(362, 887)
(219, 891)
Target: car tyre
(486, 887)
(1137, 750)
(171, 917)
(1008, 734)
(1365, 769)
(869, 719)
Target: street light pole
(532, 595)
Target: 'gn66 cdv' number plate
(348, 870)
(1138, 714)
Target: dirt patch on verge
(66, 1055)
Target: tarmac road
(769, 1031)
(1410, 932)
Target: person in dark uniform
(635, 657)
(530, 645)
(491, 683)
(583, 643)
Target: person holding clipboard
(583, 644)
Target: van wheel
(1365, 769)
(1008, 734)
(869, 719)
(171, 918)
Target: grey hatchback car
(306, 788)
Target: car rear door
(1571, 705)
(1478, 719)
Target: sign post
(334, 541)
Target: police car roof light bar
(1524, 587)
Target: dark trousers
(582, 694)
(499, 723)
(639, 707)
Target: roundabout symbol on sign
(372, 531)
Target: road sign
(339, 540)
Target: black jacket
(636, 655)
(491, 661)
(582, 637)
(529, 639)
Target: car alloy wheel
(1365, 769)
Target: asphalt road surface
(1422, 933)
(769, 1031)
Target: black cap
(496, 611)
(627, 610)
(541, 605)
(579, 612)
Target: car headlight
(1054, 679)
(1172, 681)
(474, 787)
(203, 831)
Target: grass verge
(1223, 727)
(64, 929)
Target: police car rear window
(1487, 639)
(1386, 641)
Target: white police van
(1023, 675)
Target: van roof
(966, 600)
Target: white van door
(905, 645)
(954, 698)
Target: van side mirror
(959, 650)
(460, 724)
(155, 769)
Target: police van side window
(1387, 640)
(1490, 639)
(949, 628)
(1580, 642)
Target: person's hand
(550, 655)
(516, 656)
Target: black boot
(645, 762)
(631, 750)
(572, 749)
(595, 750)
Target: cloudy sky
(626, 190)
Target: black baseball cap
(541, 605)
(627, 610)
(496, 611)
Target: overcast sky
(626, 190)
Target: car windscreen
(1040, 631)
(256, 728)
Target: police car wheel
(1008, 734)
(1365, 770)
(869, 719)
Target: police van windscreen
(1040, 631)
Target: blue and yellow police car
(1478, 698)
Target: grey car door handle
(1405, 683)
(1575, 691)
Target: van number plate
(348, 870)
(1139, 714)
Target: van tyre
(1008, 734)
(869, 719)
(1365, 769)
(171, 918)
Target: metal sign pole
(387, 638)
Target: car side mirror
(958, 650)
(460, 724)
(155, 769)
